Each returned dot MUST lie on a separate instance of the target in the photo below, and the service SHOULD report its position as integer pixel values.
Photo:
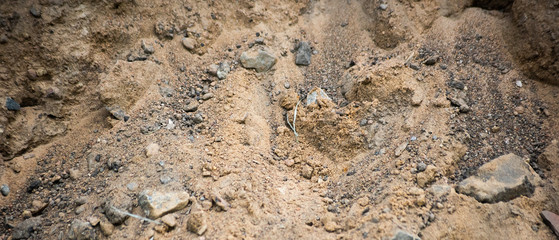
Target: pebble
(421, 167)
(80, 209)
(35, 11)
(519, 83)
(156, 204)
(304, 54)
(261, 61)
(118, 113)
(106, 228)
(132, 186)
(12, 105)
(196, 223)
(191, 107)
(287, 85)
(165, 179)
(28, 156)
(207, 96)
(169, 220)
(38, 206)
(80, 230)
(189, 43)
(152, 149)
(383, 6)
(402, 235)
(5, 190)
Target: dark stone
(552, 220)
(12, 105)
(34, 184)
(304, 54)
(414, 67)
(24, 229)
(118, 113)
(431, 60)
(457, 84)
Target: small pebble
(5, 190)
(287, 85)
(518, 83)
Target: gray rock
(304, 54)
(118, 113)
(317, 95)
(166, 91)
(156, 204)
(165, 179)
(132, 186)
(431, 60)
(383, 6)
(24, 229)
(261, 60)
(12, 105)
(219, 70)
(401, 235)
(81, 230)
(5, 190)
(198, 118)
(421, 167)
(502, 179)
(113, 211)
(35, 11)
(460, 103)
(148, 49)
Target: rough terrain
(302, 119)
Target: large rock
(501, 179)
(24, 229)
(261, 60)
(156, 204)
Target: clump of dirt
(395, 104)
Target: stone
(38, 206)
(207, 96)
(552, 220)
(307, 171)
(35, 11)
(165, 179)
(189, 43)
(152, 149)
(106, 228)
(24, 229)
(318, 96)
(191, 107)
(93, 220)
(220, 202)
(402, 235)
(132, 186)
(219, 70)
(5, 190)
(12, 105)
(196, 223)
(459, 102)
(421, 167)
(27, 214)
(398, 151)
(431, 60)
(261, 61)
(304, 53)
(148, 49)
(118, 113)
(113, 210)
(427, 176)
(80, 230)
(156, 204)
(169, 220)
(502, 179)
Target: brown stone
(552, 220)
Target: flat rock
(156, 204)
(401, 235)
(261, 61)
(502, 179)
(189, 43)
(24, 229)
(118, 113)
(552, 220)
(304, 54)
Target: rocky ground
(381, 119)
